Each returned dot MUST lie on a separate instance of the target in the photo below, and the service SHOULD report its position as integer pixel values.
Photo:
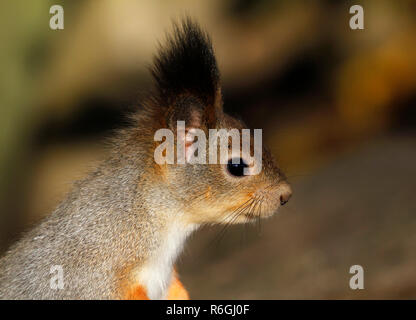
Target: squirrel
(118, 233)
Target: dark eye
(236, 169)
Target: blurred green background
(337, 107)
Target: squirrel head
(188, 90)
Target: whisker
(253, 213)
(259, 216)
(224, 230)
(231, 218)
(251, 209)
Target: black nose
(285, 196)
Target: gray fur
(102, 226)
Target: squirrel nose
(285, 194)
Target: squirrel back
(118, 233)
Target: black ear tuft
(187, 65)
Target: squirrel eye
(236, 169)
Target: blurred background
(337, 107)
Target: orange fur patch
(137, 293)
(177, 291)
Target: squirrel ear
(192, 112)
(187, 76)
(189, 120)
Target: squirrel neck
(155, 274)
(141, 235)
